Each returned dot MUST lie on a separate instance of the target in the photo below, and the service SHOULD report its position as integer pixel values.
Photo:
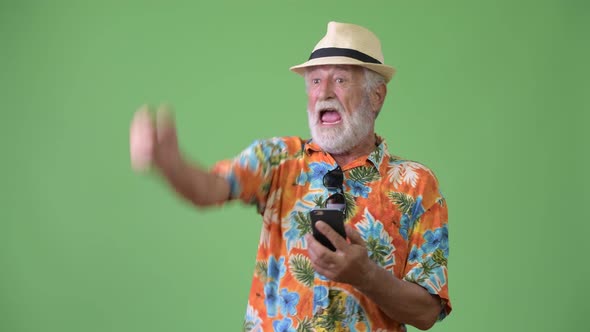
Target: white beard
(342, 137)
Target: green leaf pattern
(302, 269)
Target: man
(391, 268)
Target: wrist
(369, 277)
(169, 163)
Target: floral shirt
(394, 204)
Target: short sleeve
(429, 251)
(250, 173)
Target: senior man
(391, 269)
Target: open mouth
(330, 116)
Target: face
(339, 108)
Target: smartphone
(332, 217)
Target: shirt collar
(376, 157)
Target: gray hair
(372, 81)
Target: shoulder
(414, 178)
(267, 154)
(398, 167)
(285, 145)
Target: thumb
(141, 139)
(353, 235)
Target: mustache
(332, 104)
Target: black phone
(332, 217)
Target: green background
(493, 96)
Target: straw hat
(348, 44)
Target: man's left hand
(350, 262)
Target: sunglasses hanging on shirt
(333, 180)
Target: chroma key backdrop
(493, 96)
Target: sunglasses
(333, 180)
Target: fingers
(141, 139)
(322, 258)
(337, 240)
(153, 142)
(353, 235)
(314, 248)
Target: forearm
(401, 300)
(194, 183)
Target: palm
(152, 142)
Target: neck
(365, 147)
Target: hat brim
(386, 71)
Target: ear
(378, 97)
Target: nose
(326, 90)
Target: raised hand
(142, 137)
(152, 142)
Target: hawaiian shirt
(394, 204)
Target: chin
(333, 140)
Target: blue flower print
(288, 302)
(270, 298)
(414, 273)
(417, 208)
(358, 188)
(283, 325)
(444, 241)
(351, 307)
(321, 276)
(302, 179)
(405, 226)
(315, 176)
(276, 269)
(235, 187)
(433, 279)
(320, 298)
(407, 221)
(260, 152)
(249, 157)
(318, 170)
(438, 277)
(433, 240)
(429, 286)
(292, 235)
(415, 255)
(295, 230)
(371, 228)
(379, 242)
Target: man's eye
(340, 80)
(315, 81)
